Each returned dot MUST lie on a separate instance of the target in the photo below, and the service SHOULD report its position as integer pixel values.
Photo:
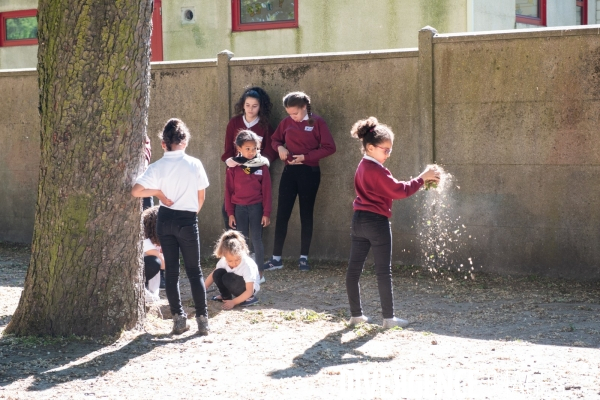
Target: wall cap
(326, 57)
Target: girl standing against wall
(302, 139)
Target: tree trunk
(85, 275)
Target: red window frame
(541, 20)
(237, 26)
(584, 10)
(15, 14)
(156, 40)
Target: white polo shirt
(179, 177)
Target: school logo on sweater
(308, 128)
(258, 172)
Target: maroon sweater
(315, 142)
(245, 189)
(376, 188)
(235, 125)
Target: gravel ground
(488, 337)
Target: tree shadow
(320, 355)
(51, 365)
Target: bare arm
(139, 191)
(229, 304)
(209, 280)
(201, 197)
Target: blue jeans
(178, 231)
(248, 220)
(370, 230)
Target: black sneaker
(272, 265)
(249, 302)
(303, 264)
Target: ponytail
(370, 131)
(231, 242)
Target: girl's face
(380, 152)
(251, 108)
(248, 149)
(233, 260)
(296, 113)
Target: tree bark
(85, 275)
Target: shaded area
(320, 355)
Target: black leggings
(302, 181)
(228, 283)
(370, 231)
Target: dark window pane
(256, 11)
(21, 28)
(528, 8)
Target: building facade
(199, 29)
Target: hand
(265, 221)
(283, 153)
(431, 174)
(163, 199)
(228, 304)
(297, 159)
(232, 223)
(230, 163)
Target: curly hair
(264, 104)
(370, 131)
(299, 99)
(231, 242)
(174, 132)
(149, 220)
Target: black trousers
(370, 231)
(229, 284)
(300, 181)
(178, 231)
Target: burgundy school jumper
(315, 142)
(235, 125)
(376, 188)
(245, 189)
(302, 181)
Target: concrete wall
(516, 120)
(513, 116)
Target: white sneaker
(262, 280)
(392, 322)
(358, 320)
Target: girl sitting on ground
(154, 263)
(236, 274)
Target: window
(531, 12)
(581, 12)
(252, 15)
(18, 28)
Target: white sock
(277, 258)
(305, 257)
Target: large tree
(85, 276)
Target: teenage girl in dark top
(302, 139)
(375, 189)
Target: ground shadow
(320, 355)
(50, 365)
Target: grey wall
(513, 116)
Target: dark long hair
(264, 103)
(299, 99)
(149, 221)
(174, 132)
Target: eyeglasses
(385, 150)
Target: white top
(247, 270)
(372, 159)
(148, 245)
(179, 177)
(250, 124)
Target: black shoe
(162, 279)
